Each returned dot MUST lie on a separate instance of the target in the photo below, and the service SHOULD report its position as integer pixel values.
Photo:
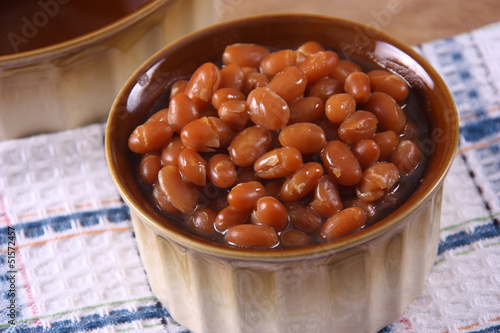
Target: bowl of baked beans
(284, 174)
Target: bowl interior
(147, 90)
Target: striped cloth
(75, 266)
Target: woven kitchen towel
(75, 267)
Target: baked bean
(368, 208)
(308, 138)
(376, 181)
(224, 131)
(339, 162)
(279, 162)
(344, 69)
(162, 201)
(192, 166)
(388, 112)
(303, 218)
(367, 152)
(325, 87)
(248, 145)
(182, 110)
(289, 84)
(291, 238)
(170, 154)
(244, 196)
(202, 84)
(409, 131)
(386, 141)
(178, 86)
(149, 166)
(389, 83)
(306, 109)
(254, 80)
(267, 109)
(310, 47)
(358, 85)
(339, 106)
(181, 194)
(326, 201)
(234, 112)
(229, 217)
(231, 76)
(226, 94)
(343, 223)
(318, 65)
(150, 136)
(200, 135)
(271, 212)
(273, 188)
(244, 54)
(252, 236)
(202, 221)
(330, 129)
(407, 156)
(277, 61)
(161, 115)
(302, 182)
(358, 126)
(221, 171)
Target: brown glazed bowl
(359, 283)
(74, 83)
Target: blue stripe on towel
(463, 238)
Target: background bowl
(74, 83)
(360, 283)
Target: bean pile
(280, 149)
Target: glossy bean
(163, 202)
(178, 86)
(182, 110)
(407, 156)
(291, 238)
(192, 167)
(358, 126)
(308, 138)
(277, 61)
(244, 196)
(306, 109)
(201, 221)
(229, 217)
(302, 182)
(339, 106)
(248, 145)
(367, 152)
(343, 223)
(310, 47)
(267, 109)
(221, 171)
(386, 141)
(234, 112)
(318, 65)
(389, 83)
(244, 54)
(303, 217)
(254, 80)
(149, 166)
(200, 135)
(226, 94)
(358, 85)
(388, 112)
(271, 212)
(339, 162)
(181, 194)
(289, 84)
(376, 181)
(252, 236)
(344, 69)
(232, 76)
(150, 136)
(202, 84)
(224, 131)
(279, 162)
(170, 154)
(161, 115)
(326, 201)
(326, 87)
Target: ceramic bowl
(359, 283)
(74, 83)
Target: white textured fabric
(77, 267)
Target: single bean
(178, 86)
(310, 48)
(271, 212)
(303, 217)
(163, 202)
(170, 154)
(387, 110)
(221, 171)
(226, 94)
(291, 238)
(326, 201)
(234, 112)
(232, 76)
(277, 61)
(339, 106)
(202, 84)
(267, 109)
(289, 84)
(254, 80)
(376, 181)
(389, 83)
(182, 110)
(367, 152)
(229, 217)
(306, 109)
(407, 156)
(344, 69)
(410, 131)
(368, 208)
(150, 136)
(149, 166)
(358, 85)
(308, 138)
(279, 162)
(244, 196)
(386, 141)
(302, 182)
(201, 221)
(192, 167)
(339, 162)
(244, 54)
(248, 145)
(343, 223)
(358, 126)
(161, 115)
(326, 87)
(318, 65)
(181, 194)
(252, 236)
(224, 131)
(200, 135)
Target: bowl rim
(383, 226)
(74, 44)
